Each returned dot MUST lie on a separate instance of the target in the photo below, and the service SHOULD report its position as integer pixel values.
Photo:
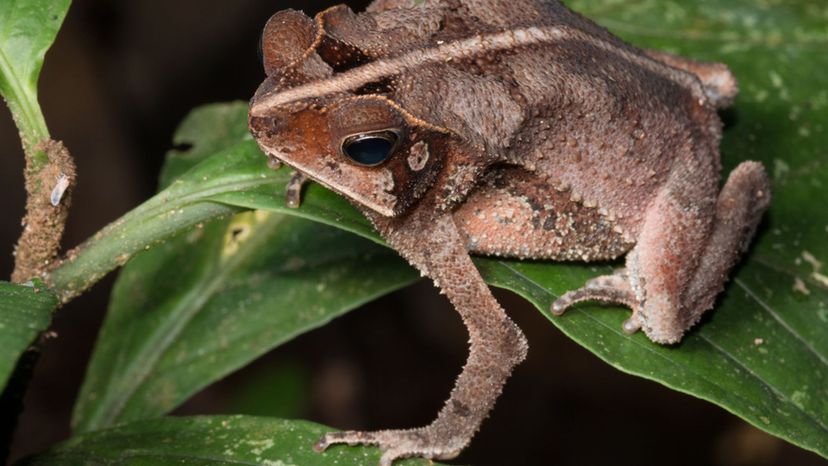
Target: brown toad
(519, 129)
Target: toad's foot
(424, 442)
(293, 195)
(613, 288)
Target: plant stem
(50, 178)
(190, 200)
(22, 101)
(140, 229)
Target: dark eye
(370, 148)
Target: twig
(50, 177)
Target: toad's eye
(370, 149)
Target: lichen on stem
(50, 177)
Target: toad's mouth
(382, 201)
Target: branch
(50, 176)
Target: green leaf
(763, 353)
(234, 178)
(206, 441)
(206, 303)
(25, 312)
(27, 30)
(261, 278)
(205, 131)
(255, 394)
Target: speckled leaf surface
(25, 311)
(763, 352)
(206, 441)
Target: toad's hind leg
(681, 271)
(739, 208)
(672, 289)
(719, 84)
(613, 288)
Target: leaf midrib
(170, 202)
(779, 394)
(808, 278)
(767, 308)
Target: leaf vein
(767, 308)
(777, 392)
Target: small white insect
(59, 189)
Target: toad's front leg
(434, 246)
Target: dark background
(118, 80)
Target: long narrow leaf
(25, 311)
(206, 441)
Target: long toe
(396, 444)
(351, 437)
